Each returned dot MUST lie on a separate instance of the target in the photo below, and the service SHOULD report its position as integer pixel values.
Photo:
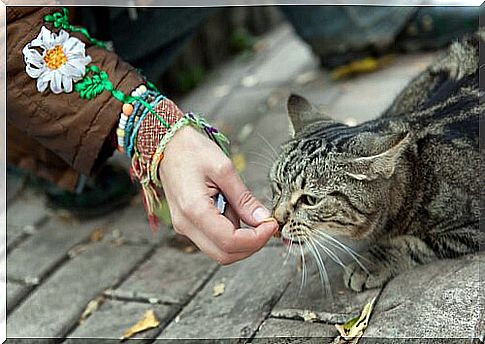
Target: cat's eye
(308, 200)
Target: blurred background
(179, 46)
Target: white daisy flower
(57, 59)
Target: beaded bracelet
(126, 111)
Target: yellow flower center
(55, 57)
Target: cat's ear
(380, 165)
(301, 113)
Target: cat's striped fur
(408, 182)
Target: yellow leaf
(91, 308)
(149, 321)
(96, 235)
(218, 289)
(239, 161)
(353, 329)
(364, 65)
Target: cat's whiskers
(269, 145)
(304, 270)
(337, 244)
(259, 164)
(288, 253)
(329, 252)
(320, 264)
(264, 157)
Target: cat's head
(332, 179)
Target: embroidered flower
(57, 59)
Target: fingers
(249, 209)
(209, 246)
(211, 250)
(225, 235)
(232, 216)
(232, 240)
(221, 231)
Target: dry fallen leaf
(92, 306)
(218, 289)
(365, 65)
(96, 235)
(353, 329)
(149, 321)
(309, 316)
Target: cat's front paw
(358, 279)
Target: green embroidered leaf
(90, 87)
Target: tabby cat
(407, 182)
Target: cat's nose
(281, 214)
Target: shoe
(111, 189)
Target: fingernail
(260, 214)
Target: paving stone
(284, 62)
(364, 97)
(15, 293)
(244, 105)
(208, 96)
(251, 288)
(361, 99)
(132, 226)
(320, 93)
(168, 276)
(272, 41)
(113, 318)
(216, 87)
(56, 305)
(291, 331)
(27, 211)
(438, 300)
(339, 306)
(31, 260)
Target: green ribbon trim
(61, 20)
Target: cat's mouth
(290, 242)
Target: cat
(407, 182)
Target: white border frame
(127, 3)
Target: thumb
(249, 209)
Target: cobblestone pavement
(59, 266)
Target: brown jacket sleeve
(74, 128)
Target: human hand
(193, 170)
